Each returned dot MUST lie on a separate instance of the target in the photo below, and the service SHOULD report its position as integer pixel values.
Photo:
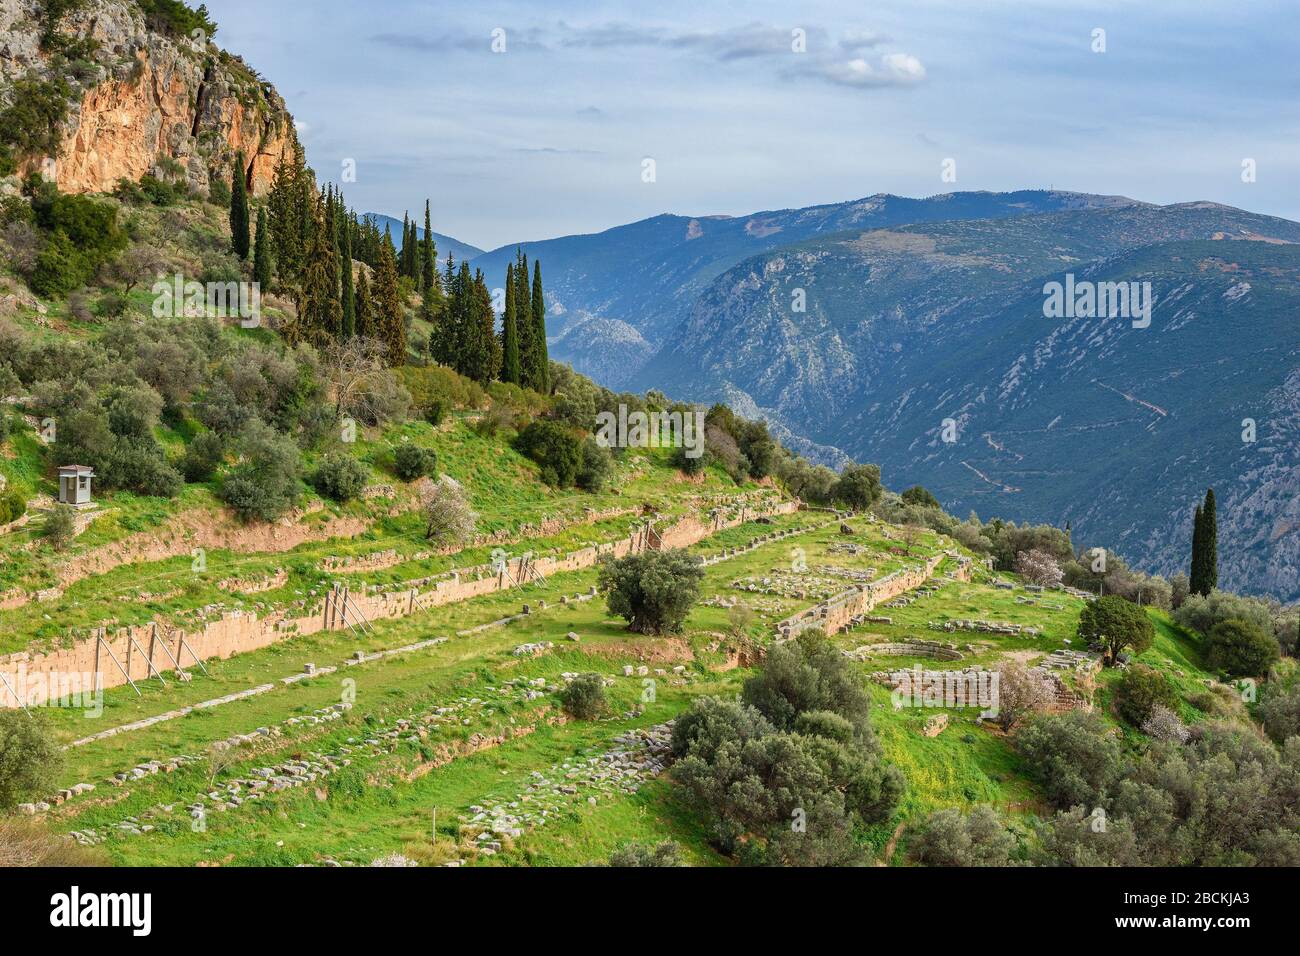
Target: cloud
(806, 51)
(892, 69)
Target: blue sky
(548, 137)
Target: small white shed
(74, 484)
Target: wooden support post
(148, 658)
(167, 650)
(11, 690)
(124, 671)
(186, 646)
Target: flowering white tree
(448, 518)
(1039, 567)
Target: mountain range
(859, 329)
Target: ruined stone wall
(36, 675)
(837, 613)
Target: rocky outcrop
(146, 102)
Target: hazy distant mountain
(1115, 429)
(459, 250)
(647, 274)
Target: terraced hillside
(439, 736)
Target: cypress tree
(287, 216)
(510, 332)
(1210, 543)
(239, 220)
(390, 323)
(320, 314)
(539, 359)
(348, 294)
(428, 255)
(523, 316)
(485, 350)
(364, 321)
(262, 252)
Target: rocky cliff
(142, 101)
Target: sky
(527, 120)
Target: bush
(265, 484)
(12, 506)
(219, 190)
(59, 527)
(949, 838)
(1279, 712)
(807, 674)
(411, 462)
(1240, 648)
(30, 758)
(584, 697)
(667, 853)
(1140, 689)
(1072, 756)
(1201, 613)
(597, 467)
(435, 413)
(917, 495)
(1163, 724)
(205, 454)
(340, 476)
(555, 448)
(654, 590)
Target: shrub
(654, 590)
(917, 495)
(1163, 724)
(12, 506)
(949, 838)
(339, 476)
(1202, 612)
(1021, 693)
(597, 467)
(30, 757)
(1072, 757)
(219, 191)
(435, 412)
(556, 449)
(807, 674)
(265, 484)
(667, 853)
(1139, 690)
(584, 697)
(411, 462)
(1279, 712)
(448, 519)
(59, 527)
(205, 454)
(1240, 648)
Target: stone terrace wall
(837, 613)
(35, 676)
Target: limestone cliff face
(147, 100)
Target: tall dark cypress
(390, 321)
(523, 315)
(428, 255)
(1210, 543)
(539, 360)
(364, 320)
(348, 294)
(239, 220)
(262, 252)
(510, 371)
